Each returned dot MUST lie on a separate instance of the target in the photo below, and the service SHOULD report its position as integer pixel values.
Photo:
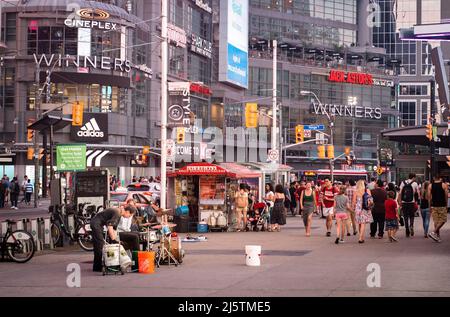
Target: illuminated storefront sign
(200, 89)
(91, 19)
(348, 111)
(104, 62)
(358, 79)
(201, 46)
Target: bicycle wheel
(20, 246)
(84, 234)
(55, 231)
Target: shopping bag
(124, 258)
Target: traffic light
(330, 151)
(180, 135)
(429, 132)
(321, 151)
(146, 150)
(30, 135)
(448, 160)
(77, 113)
(30, 153)
(347, 150)
(41, 154)
(429, 163)
(299, 133)
(251, 115)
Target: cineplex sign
(358, 79)
(91, 19)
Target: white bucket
(253, 255)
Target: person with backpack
(363, 203)
(241, 200)
(28, 191)
(438, 193)
(15, 192)
(406, 200)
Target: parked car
(143, 202)
(152, 190)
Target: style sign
(179, 111)
(70, 157)
(93, 130)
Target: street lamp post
(164, 58)
(331, 124)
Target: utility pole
(37, 106)
(433, 169)
(331, 120)
(274, 102)
(164, 51)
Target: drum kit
(170, 250)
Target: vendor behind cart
(110, 218)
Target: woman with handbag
(363, 202)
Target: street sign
(307, 133)
(379, 171)
(273, 155)
(317, 127)
(375, 168)
(71, 157)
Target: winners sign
(179, 112)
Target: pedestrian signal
(251, 115)
(146, 150)
(30, 135)
(299, 133)
(321, 151)
(347, 150)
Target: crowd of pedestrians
(11, 190)
(354, 206)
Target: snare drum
(152, 236)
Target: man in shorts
(438, 196)
(328, 202)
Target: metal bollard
(71, 223)
(4, 227)
(35, 233)
(20, 224)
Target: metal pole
(52, 174)
(274, 97)
(285, 142)
(433, 169)
(44, 164)
(36, 144)
(164, 51)
(332, 143)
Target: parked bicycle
(82, 233)
(18, 244)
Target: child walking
(392, 217)
(342, 207)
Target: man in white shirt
(406, 199)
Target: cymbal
(170, 225)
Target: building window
(424, 112)
(176, 61)
(7, 87)
(413, 90)
(199, 69)
(10, 26)
(407, 113)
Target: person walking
(2, 193)
(351, 222)
(28, 191)
(276, 219)
(391, 216)
(342, 205)
(294, 199)
(270, 200)
(362, 203)
(308, 205)
(241, 200)
(438, 202)
(24, 184)
(425, 207)
(287, 201)
(379, 196)
(14, 193)
(408, 190)
(328, 191)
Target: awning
(417, 135)
(46, 121)
(232, 170)
(240, 171)
(270, 168)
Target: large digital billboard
(233, 55)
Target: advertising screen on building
(233, 55)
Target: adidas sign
(90, 130)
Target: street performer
(110, 218)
